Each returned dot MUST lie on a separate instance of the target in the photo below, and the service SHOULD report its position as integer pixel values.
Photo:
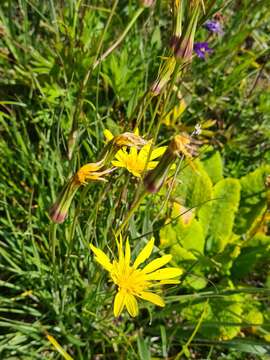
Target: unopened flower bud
(147, 3)
(177, 23)
(164, 76)
(59, 210)
(185, 46)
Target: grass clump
(147, 122)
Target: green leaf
(143, 349)
(217, 217)
(195, 186)
(213, 165)
(187, 241)
(253, 198)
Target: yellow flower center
(130, 279)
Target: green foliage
(213, 164)
(253, 198)
(195, 186)
(217, 217)
(52, 82)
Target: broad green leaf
(187, 241)
(253, 198)
(217, 217)
(195, 186)
(213, 165)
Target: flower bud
(177, 23)
(164, 76)
(147, 3)
(185, 46)
(59, 210)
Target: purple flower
(213, 26)
(201, 49)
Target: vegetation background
(53, 84)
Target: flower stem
(120, 39)
(135, 205)
(52, 237)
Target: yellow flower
(131, 158)
(133, 282)
(136, 161)
(90, 172)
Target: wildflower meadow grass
(135, 179)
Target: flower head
(201, 49)
(115, 143)
(89, 172)
(213, 26)
(134, 282)
(137, 161)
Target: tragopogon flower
(136, 161)
(88, 172)
(133, 282)
(115, 143)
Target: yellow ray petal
(158, 152)
(119, 302)
(134, 172)
(127, 254)
(121, 256)
(121, 156)
(90, 167)
(144, 254)
(164, 274)
(157, 263)
(108, 135)
(151, 165)
(143, 153)
(118, 163)
(153, 298)
(101, 257)
(131, 304)
(133, 151)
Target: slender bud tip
(56, 215)
(147, 3)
